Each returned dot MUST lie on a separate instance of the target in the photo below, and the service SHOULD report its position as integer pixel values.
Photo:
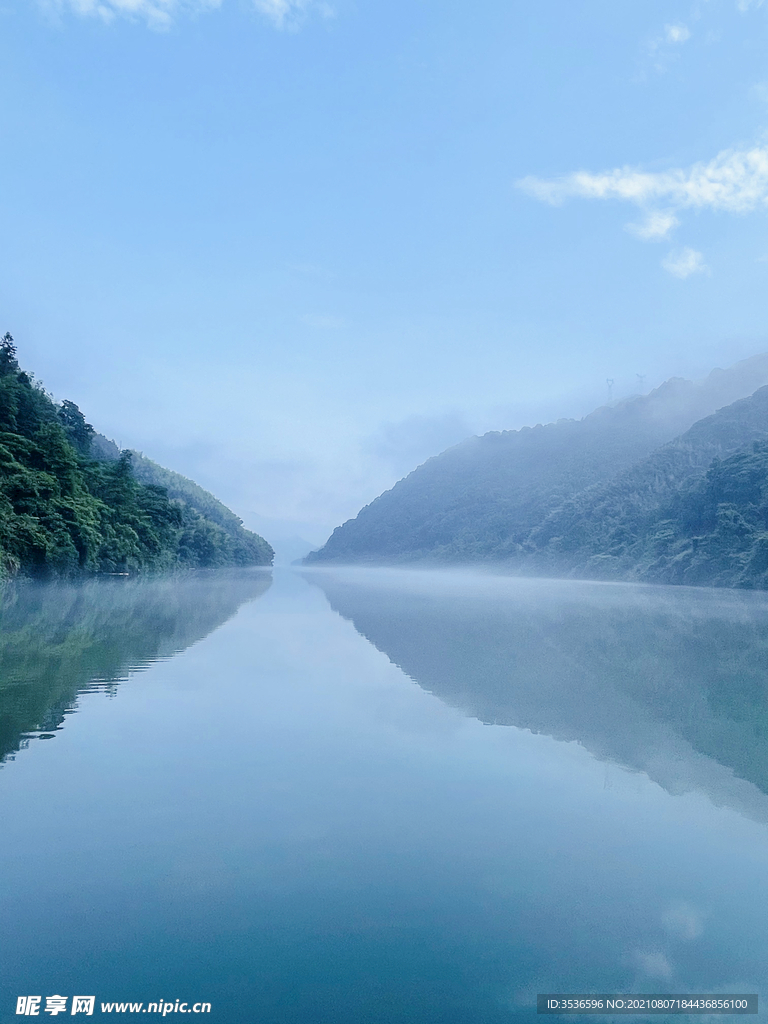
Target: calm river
(379, 797)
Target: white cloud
(654, 964)
(683, 921)
(746, 5)
(656, 226)
(159, 14)
(735, 181)
(684, 263)
(290, 13)
(661, 49)
(676, 33)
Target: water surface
(378, 796)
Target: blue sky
(292, 249)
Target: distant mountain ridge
(484, 499)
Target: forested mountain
(63, 511)
(696, 511)
(480, 500)
(209, 526)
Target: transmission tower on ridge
(609, 382)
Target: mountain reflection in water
(60, 639)
(670, 681)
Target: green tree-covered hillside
(209, 525)
(63, 512)
(695, 512)
(480, 500)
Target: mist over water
(387, 796)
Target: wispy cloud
(735, 181)
(654, 964)
(160, 14)
(747, 5)
(656, 226)
(662, 48)
(676, 33)
(290, 13)
(683, 920)
(684, 263)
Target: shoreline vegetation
(72, 505)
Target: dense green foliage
(210, 528)
(717, 532)
(691, 513)
(480, 500)
(63, 512)
(213, 534)
(61, 638)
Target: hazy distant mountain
(695, 511)
(480, 500)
